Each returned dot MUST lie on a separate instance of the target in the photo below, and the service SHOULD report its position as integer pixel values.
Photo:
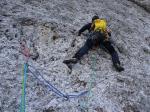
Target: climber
(98, 35)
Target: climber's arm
(85, 27)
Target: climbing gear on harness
(23, 96)
(40, 77)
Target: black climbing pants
(90, 43)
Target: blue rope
(37, 75)
(45, 82)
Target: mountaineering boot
(69, 66)
(118, 67)
(72, 60)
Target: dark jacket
(85, 27)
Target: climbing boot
(118, 67)
(69, 66)
(71, 61)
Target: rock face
(50, 30)
(145, 4)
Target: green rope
(85, 104)
(24, 75)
